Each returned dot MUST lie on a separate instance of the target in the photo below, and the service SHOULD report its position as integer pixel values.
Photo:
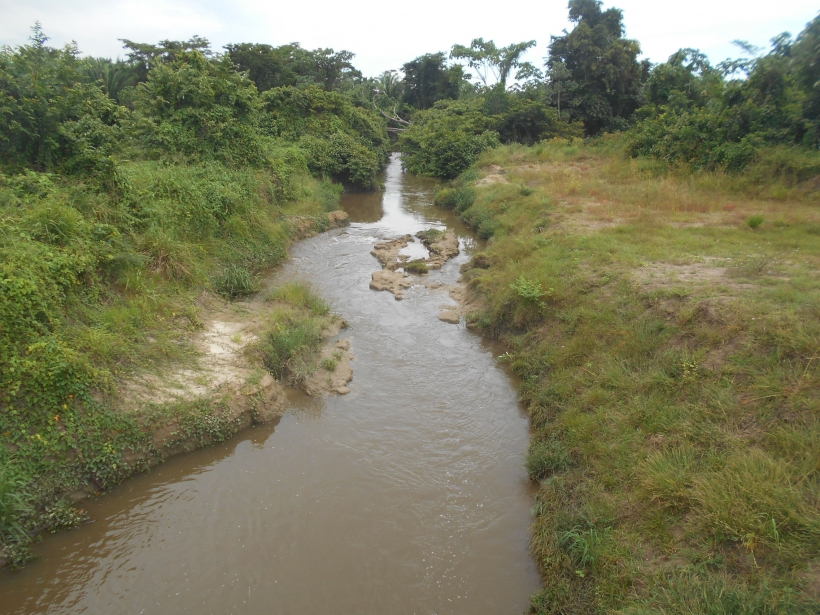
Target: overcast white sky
(385, 34)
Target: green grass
(294, 333)
(670, 360)
(417, 266)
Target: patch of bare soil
(583, 216)
(223, 367)
(710, 272)
(492, 178)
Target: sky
(385, 35)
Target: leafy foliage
(602, 65)
(695, 116)
(114, 218)
(290, 65)
(448, 138)
(52, 117)
(428, 80)
(341, 140)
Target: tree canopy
(606, 75)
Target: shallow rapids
(406, 496)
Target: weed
(235, 281)
(754, 222)
(299, 294)
(430, 236)
(332, 362)
(586, 546)
(546, 457)
(416, 266)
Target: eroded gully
(405, 496)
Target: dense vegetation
(684, 111)
(126, 189)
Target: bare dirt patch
(710, 272)
(223, 367)
(491, 179)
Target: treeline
(764, 107)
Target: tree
(333, 70)
(603, 64)
(268, 67)
(560, 84)
(805, 54)
(200, 108)
(143, 55)
(273, 67)
(493, 65)
(427, 80)
(113, 77)
(52, 117)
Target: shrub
(235, 281)
(755, 222)
(460, 198)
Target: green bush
(235, 281)
(458, 198)
(417, 266)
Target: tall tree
(333, 70)
(142, 55)
(494, 65)
(805, 53)
(427, 80)
(603, 64)
(268, 67)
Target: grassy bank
(666, 326)
(97, 286)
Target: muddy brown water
(406, 496)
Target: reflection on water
(406, 496)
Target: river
(407, 496)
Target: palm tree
(113, 77)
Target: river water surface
(405, 496)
